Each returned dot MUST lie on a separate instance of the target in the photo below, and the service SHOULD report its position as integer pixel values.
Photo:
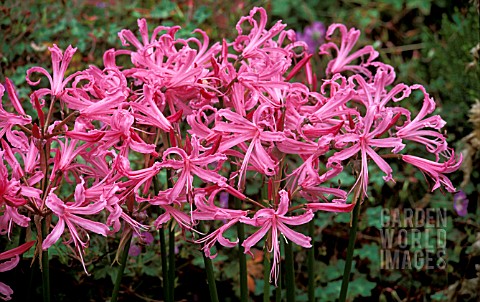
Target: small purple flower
(147, 238)
(313, 35)
(224, 202)
(134, 250)
(460, 203)
(224, 199)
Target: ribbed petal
(256, 237)
(5, 292)
(331, 207)
(297, 220)
(294, 236)
(10, 264)
(54, 235)
(87, 224)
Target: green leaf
(361, 287)
(332, 271)
(259, 287)
(373, 217)
(163, 11)
(342, 218)
(439, 296)
(150, 270)
(281, 8)
(368, 251)
(202, 14)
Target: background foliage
(428, 42)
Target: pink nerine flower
(13, 259)
(275, 222)
(8, 120)
(417, 129)
(60, 63)
(238, 130)
(13, 194)
(67, 214)
(194, 163)
(436, 170)
(207, 210)
(363, 142)
(249, 44)
(344, 59)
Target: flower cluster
(95, 155)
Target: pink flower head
(171, 212)
(366, 135)
(13, 194)
(363, 142)
(258, 36)
(217, 236)
(13, 259)
(276, 223)
(195, 163)
(207, 210)
(417, 129)
(344, 59)
(150, 113)
(67, 215)
(437, 170)
(58, 82)
(10, 190)
(70, 149)
(239, 130)
(8, 120)
(306, 174)
(121, 129)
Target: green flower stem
(311, 263)
(31, 283)
(266, 277)
(163, 251)
(45, 265)
(351, 247)
(18, 277)
(121, 269)
(242, 258)
(278, 290)
(212, 287)
(171, 262)
(289, 272)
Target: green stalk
(212, 287)
(121, 269)
(242, 257)
(30, 291)
(289, 272)
(311, 263)
(266, 279)
(351, 247)
(45, 265)
(163, 251)
(278, 290)
(171, 262)
(19, 279)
